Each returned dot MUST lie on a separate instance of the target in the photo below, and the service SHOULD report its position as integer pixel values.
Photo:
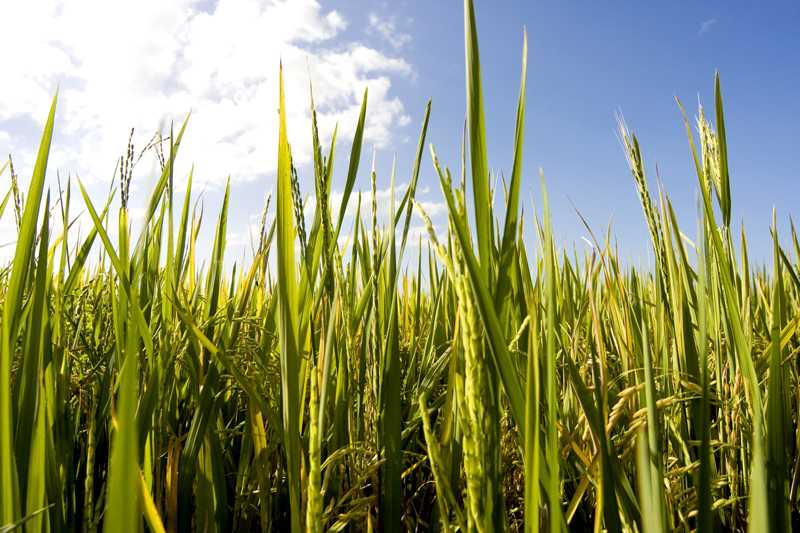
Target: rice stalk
(488, 388)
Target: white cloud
(135, 64)
(387, 30)
(704, 27)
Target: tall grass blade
(724, 194)
(287, 318)
(390, 417)
(31, 420)
(123, 512)
(355, 158)
(10, 503)
(532, 438)
(779, 434)
(506, 268)
(477, 146)
(554, 499)
(704, 485)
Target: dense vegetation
(491, 387)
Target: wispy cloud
(220, 60)
(387, 30)
(705, 26)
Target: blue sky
(152, 62)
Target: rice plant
(485, 388)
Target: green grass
(485, 388)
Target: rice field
(488, 387)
